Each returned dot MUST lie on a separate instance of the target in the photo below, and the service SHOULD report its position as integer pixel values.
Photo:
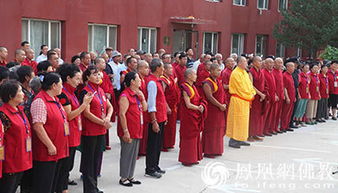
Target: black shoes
(289, 129)
(244, 143)
(133, 181)
(153, 174)
(160, 171)
(268, 134)
(126, 183)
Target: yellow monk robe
(242, 93)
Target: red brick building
(224, 26)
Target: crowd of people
(50, 109)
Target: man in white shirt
(198, 62)
(219, 59)
(116, 67)
(43, 54)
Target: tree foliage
(330, 53)
(309, 24)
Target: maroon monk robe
(191, 126)
(225, 77)
(270, 112)
(172, 95)
(202, 74)
(257, 107)
(287, 109)
(214, 125)
(278, 74)
(179, 71)
(143, 141)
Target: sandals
(133, 181)
(126, 183)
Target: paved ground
(300, 161)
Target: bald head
(257, 62)
(230, 63)
(242, 62)
(279, 63)
(20, 55)
(189, 72)
(269, 63)
(30, 53)
(3, 53)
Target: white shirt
(117, 68)
(196, 64)
(60, 61)
(41, 58)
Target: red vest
(161, 107)
(54, 126)
(314, 87)
(333, 82)
(134, 116)
(75, 125)
(304, 85)
(98, 107)
(324, 86)
(17, 158)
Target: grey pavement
(300, 161)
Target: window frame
(139, 41)
(212, 42)
(108, 26)
(265, 5)
(263, 46)
(281, 48)
(241, 41)
(242, 4)
(49, 30)
(286, 5)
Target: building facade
(223, 26)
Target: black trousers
(66, 167)
(322, 109)
(10, 182)
(45, 174)
(26, 184)
(154, 146)
(91, 148)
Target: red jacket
(289, 85)
(278, 74)
(55, 129)
(270, 85)
(134, 116)
(225, 79)
(30, 63)
(18, 156)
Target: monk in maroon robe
(202, 74)
(257, 107)
(270, 87)
(195, 110)
(278, 74)
(214, 125)
(290, 96)
(180, 68)
(225, 76)
(171, 92)
(143, 71)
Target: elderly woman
(130, 127)
(95, 122)
(17, 139)
(51, 132)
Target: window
(282, 5)
(101, 36)
(262, 4)
(239, 2)
(210, 42)
(39, 32)
(280, 50)
(237, 44)
(261, 42)
(147, 39)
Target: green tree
(309, 24)
(330, 53)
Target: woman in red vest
(324, 93)
(303, 95)
(71, 78)
(95, 122)
(130, 126)
(311, 110)
(17, 143)
(50, 136)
